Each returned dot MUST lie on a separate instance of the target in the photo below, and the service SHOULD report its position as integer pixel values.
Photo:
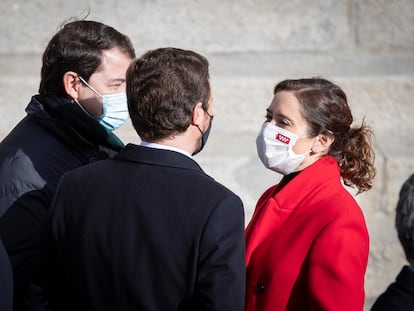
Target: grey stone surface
(386, 25)
(27, 26)
(243, 25)
(367, 47)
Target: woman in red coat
(307, 242)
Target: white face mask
(274, 147)
(115, 109)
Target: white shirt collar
(164, 147)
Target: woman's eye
(268, 118)
(283, 123)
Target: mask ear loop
(83, 109)
(198, 126)
(89, 86)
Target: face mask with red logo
(274, 148)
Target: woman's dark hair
(163, 86)
(404, 219)
(78, 47)
(325, 108)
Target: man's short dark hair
(163, 86)
(78, 47)
(404, 220)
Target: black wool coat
(6, 281)
(147, 230)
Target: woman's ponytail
(356, 158)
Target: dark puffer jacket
(55, 137)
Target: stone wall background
(365, 46)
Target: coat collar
(59, 112)
(159, 157)
(319, 180)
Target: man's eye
(115, 85)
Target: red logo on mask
(284, 139)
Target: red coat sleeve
(337, 267)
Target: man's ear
(198, 115)
(322, 143)
(71, 84)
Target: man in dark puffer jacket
(69, 123)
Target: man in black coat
(399, 296)
(68, 124)
(149, 230)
